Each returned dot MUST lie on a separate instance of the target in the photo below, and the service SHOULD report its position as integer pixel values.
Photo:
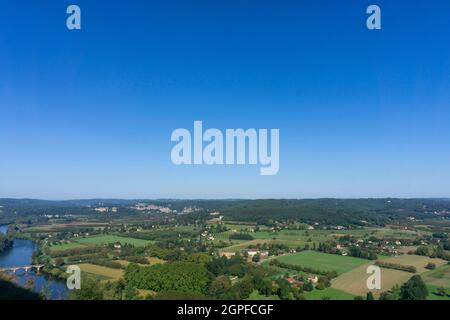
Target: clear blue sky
(89, 113)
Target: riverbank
(20, 254)
(5, 239)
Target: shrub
(430, 266)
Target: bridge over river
(37, 267)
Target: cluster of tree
(218, 228)
(240, 236)
(235, 266)
(11, 291)
(177, 276)
(77, 251)
(422, 251)
(296, 267)
(438, 252)
(223, 288)
(161, 235)
(446, 245)
(86, 257)
(441, 291)
(430, 266)
(106, 263)
(166, 253)
(5, 242)
(346, 240)
(396, 266)
(137, 259)
(330, 211)
(283, 289)
(413, 289)
(197, 257)
(273, 248)
(99, 290)
(329, 247)
(363, 253)
(440, 235)
(353, 251)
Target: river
(20, 255)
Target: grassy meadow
(323, 261)
(107, 239)
(100, 272)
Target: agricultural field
(439, 277)
(323, 261)
(294, 237)
(255, 295)
(386, 233)
(100, 272)
(406, 249)
(107, 239)
(242, 245)
(79, 242)
(225, 236)
(57, 227)
(66, 246)
(328, 293)
(152, 260)
(432, 293)
(239, 227)
(414, 260)
(355, 281)
(291, 238)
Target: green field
(152, 260)
(107, 239)
(66, 246)
(255, 295)
(414, 260)
(355, 281)
(433, 296)
(300, 238)
(294, 238)
(323, 261)
(100, 272)
(386, 233)
(242, 245)
(439, 277)
(330, 293)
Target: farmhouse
(228, 254)
(313, 279)
(253, 252)
(294, 282)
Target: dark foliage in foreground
(10, 291)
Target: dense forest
(327, 211)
